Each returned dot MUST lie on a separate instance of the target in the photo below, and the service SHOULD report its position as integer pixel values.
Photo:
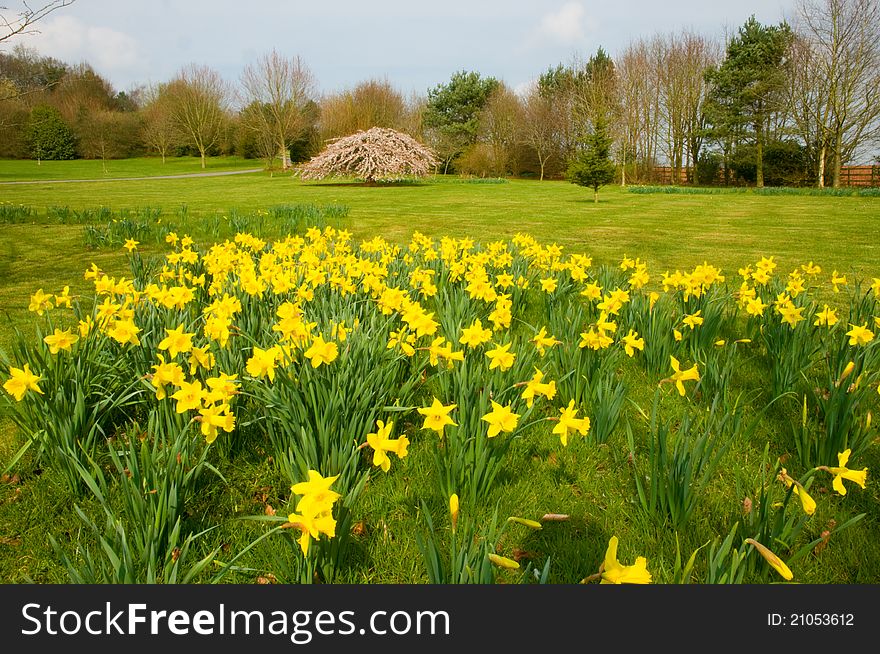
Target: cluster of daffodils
(214, 325)
(314, 510)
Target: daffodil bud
(775, 562)
(504, 562)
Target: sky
(415, 45)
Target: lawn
(21, 170)
(590, 482)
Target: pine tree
(592, 165)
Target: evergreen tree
(452, 113)
(749, 86)
(592, 165)
(48, 136)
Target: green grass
(20, 170)
(667, 231)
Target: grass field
(667, 232)
(19, 170)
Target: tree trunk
(623, 170)
(759, 159)
(821, 180)
(163, 156)
(835, 166)
(541, 161)
(595, 196)
(202, 153)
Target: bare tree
(538, 128)
(700, 54)
(159, 129)
(499, 127)
(281, 90)
(375, 154)
(198, 107)
(639, 98)
(373, 103)
(22, 21)
(839, 104)
(672, 71)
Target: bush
(708, 167)
(48, 136)
(785, 164)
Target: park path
(135, 179)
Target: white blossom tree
(372, 155)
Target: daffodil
(60, 340)
(531, 524)
(176, 341)
(755, 307)
(382, 443)
(791, 315)
(548, 285)
(568, 422)
(321, 352)
(860, 335)
(501, 357)
(614, 572)
(315, 509)
(201, 357)
(316, 494)
(214, 417)
(632, 342)
(164, 374)
(63, 300)
(807, 503)
(40, 302)
(680, 376)
(775, 562)
(693, 320)
(841, 472)
(223, 388)
(131, 244)
(262, 362)
(437, 416)
(189, 396)
(124, 332)
(21, 380)
(500, 419)
(827, 317)
(837, 280)
(542, 341)
(503, 562)
(535, 387)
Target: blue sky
(415, 45)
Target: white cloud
(524, 88)
(568, 25)
(71, 40)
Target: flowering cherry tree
(375, 154)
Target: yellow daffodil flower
(21, 380)
(500, 419)
(437, 416)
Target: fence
(849, 175)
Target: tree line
(789, 103)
